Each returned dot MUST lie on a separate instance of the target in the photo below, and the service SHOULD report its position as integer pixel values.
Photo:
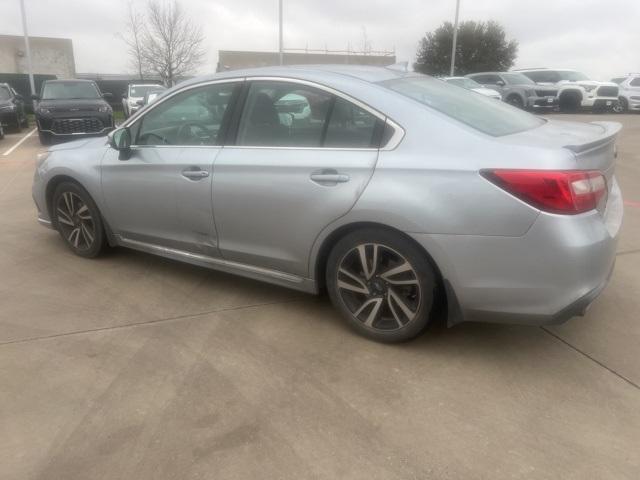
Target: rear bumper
(546, 276)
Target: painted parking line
(10, 151)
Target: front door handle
(332, 177)
(192, 174)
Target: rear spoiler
(611, 130)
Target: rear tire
(17, 125)
(382, 283)
(78, 220)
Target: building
(49, 56)
(234, 60)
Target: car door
(161, 194)
(299, 159)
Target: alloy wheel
(75, 221)
(379, 287)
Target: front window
(572, 76)
(517, 79)
(5, 94)
(139, 91)
(477, 111)
(69, 91)
(190, 118)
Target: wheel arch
(50, 190)
(320, 262)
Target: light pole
(455, 40)
(27, 48)
(280, 46)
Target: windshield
(477, 111)
(141, 90)
(463, 82)
(572, 76)
(4, 93)
(69, 91)
(517, 79)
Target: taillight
(557, 191)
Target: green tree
(481, 47)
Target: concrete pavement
(136, 367)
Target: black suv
(72, 108)
(12, 112)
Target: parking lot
(136, 367)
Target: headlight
(41, 157)
(8, 108)
(589, 88)
(105, 109)
(44, 111)
(530, 93)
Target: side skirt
(257, 273)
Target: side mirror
(500, 83)
(120, 139)
(107, 95)
(140, 102)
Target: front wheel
(516, 101)
(621, 106)
(45, 138)
(78, 220)
(382, 283)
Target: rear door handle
(330, 176)
(195, 174)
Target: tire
(1, 133)
(17, 126)
(569, 102)
(78, 220)
(372, 300)
(45, 138)
(622, 106)
(25, 121)
(516, 101)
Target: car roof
(69, 80)
(544, 69)
(370, 74)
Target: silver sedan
(391, 191)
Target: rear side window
(635, 82)
(477, 111)
(543, 76)
(352, 127)
(287, 114)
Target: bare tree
(133, 36)
(172, 44)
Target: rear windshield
(477, 111)
(69, 91)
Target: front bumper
(542, 102)
(633, 102)
(546, 276)
(71, 126)
(599, 102)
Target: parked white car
(470, 84)
(135, 94)
(629, 93)
(575, 89)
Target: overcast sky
(599, 37)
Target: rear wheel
(382, 283)
(1, 133)
(78, 220)
(17, 123)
